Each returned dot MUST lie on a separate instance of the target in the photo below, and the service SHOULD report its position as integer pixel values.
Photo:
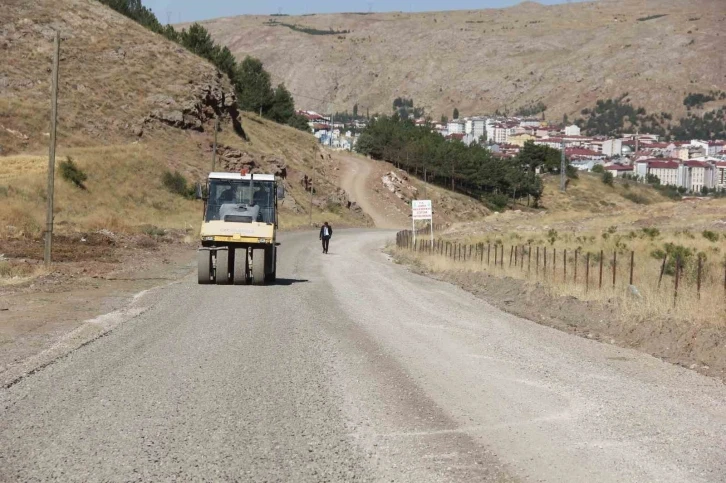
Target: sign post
(421, 210)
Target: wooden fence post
(678, 273)
(602, 255)
(587, 272)
(564, 265)
(536, 269)
(662, 269)
(632, 265)
(529, 259)
(698, 276)
(511, 252)
(576, 256)
(554, 264)
(615, 266)
(489, 251)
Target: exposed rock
(234, 160)
(207, 102)
(398, 186)
(114, 54)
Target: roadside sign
(421, 209)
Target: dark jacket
(330, 231)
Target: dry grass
(124, 192)
(113, 74)
(655, 305)
(12, 273)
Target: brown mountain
(566, 56)
(131, 106)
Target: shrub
(652, 17)
(72, 173)
(152, 230)
(497, 201)
(572, 172)
(636, 198)
(176, 183)
(651, 233)
(552, 236)
(607, 178)
(711, 236)
(598, 168)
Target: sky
(176, 11)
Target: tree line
(252, 83)
(472, 170)
(613, 117)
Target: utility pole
(637, 139)
(563, 168)
(51, 154)
(312, 189)
(214, 149)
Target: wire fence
(582, 271)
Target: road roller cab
(239, 231)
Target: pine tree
(252, 83)
(456, 113)
(198, 40)
(283, 105)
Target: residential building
(572, 130)
(478, 127)
(719, 175)
(618, 170)
(456, 127)
(499, 133)
(695, 175)
(665, 170)
(584, 164)
(583, 154)
(710, 148)
(520, 138)
(612, 147)
(530, 121)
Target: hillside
(131, 106)
(566, 56)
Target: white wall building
(499, 133)
(710, 148)
(477, 127)
(612, 147)
(665, 171)
(572, 130)
(456, 127)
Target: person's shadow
(288, 281)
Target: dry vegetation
(114, 74)
(683, 326)
(566, 56)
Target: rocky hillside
(131, 106)
(566, 56)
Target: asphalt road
(354, 369)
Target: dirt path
(358, 178)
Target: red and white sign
(421, 209)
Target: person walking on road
(325, 233)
